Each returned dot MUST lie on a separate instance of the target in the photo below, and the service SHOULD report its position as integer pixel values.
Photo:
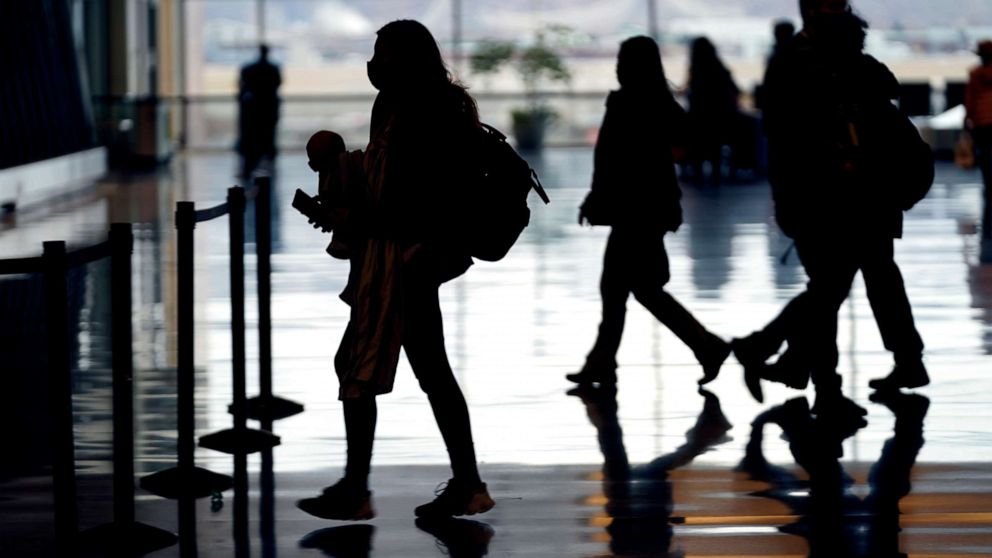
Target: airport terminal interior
(118, 111)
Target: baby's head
(322, 147)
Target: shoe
(751, 350)
(785, 371)
(341, 502)
(752, 358)
(589, 376)
(712, 359)
(752, 379)
(911, 375)
(453, 498)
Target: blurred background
(155, 75)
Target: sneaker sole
(883, 385)
(366, 512)
(479, 504)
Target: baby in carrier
(338, 171)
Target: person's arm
(603, 161)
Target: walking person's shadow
(639, 498)
(834, 520)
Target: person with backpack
(844, 165)
(403, 243)
(636, 193)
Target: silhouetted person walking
(713, 109)
(402, 246)
(635, 191)
(978, 107)
(258, 111)
(836, 199)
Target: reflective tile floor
(658, 470)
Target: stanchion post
(124, 536)
(240, 439)
(60, 396)
(185, 381)
(266, 406)
(236, 234)
(121, 245)
(263, 273)
(185, 480)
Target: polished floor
(659, 470)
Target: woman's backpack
(496, 211)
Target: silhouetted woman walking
(635, 191)
(422, 126)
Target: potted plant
(536, 63)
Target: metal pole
(260, 19)
(236, 235)
(266, 406)
(60, 396)
(263, 266)
(121, 246)
(183, 83)
(185, 223)
(456, 36)
(653, 19)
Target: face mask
(374, 71)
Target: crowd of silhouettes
(824, 102)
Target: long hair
(639, 65)
(706, 70)
(417, 62)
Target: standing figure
(636, 193)
(783, 31)
(834, 195)
(713, 109)
(402, 245)
(978, 120)
(258, 111)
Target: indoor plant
(536, 64)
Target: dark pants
(423, 342)
(831, 264)
(982, 137)
(636, 263)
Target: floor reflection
(639, 498)
(832, 517)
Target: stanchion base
(177, 483)
(270, 408)
(240, 440)
(126, 539)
